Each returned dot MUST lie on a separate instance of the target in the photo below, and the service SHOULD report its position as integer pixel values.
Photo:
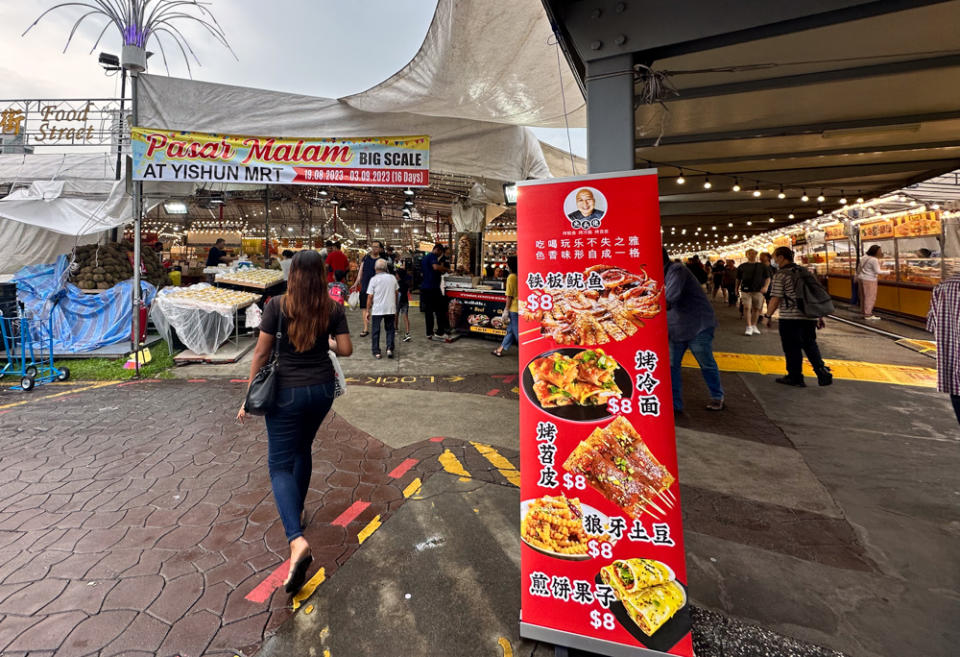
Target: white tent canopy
(485, 61)
(460, 146)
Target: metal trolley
(23, 348)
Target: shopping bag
(340, 379)
(354, 300)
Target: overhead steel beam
(818, 77)
(825, 152)
(805, 129)
(841, 171)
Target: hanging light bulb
(781, 195)
(749, 223)
(859, 197)
(680, 178)
(819, 211)
(804, 198)
(790, 216)
(843, 198)
(707, 184)
(821, 198)
(756, 190)
(771, 220)
(730, 225)
(736, 185)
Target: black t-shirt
(751, 276)
(404, 283)
(213, 258)
(309, 367)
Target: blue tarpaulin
(81, 322)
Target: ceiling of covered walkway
(834, 98)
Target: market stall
(203, 317)
(474, 307)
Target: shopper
(286, 258)
(943, 321)
(753, 280)
(382, 306)
(367, 271)
(218, 254)
(310, 324)
(690, 325)
(336, 260)
(767, 261)
(431, 299)
(696, 268)
(717, 271)
(511, 311)
(403, 301)
(729, 282)
(867, 273)
(798, 333)
(338, 290)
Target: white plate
(587, 510)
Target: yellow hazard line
(309, 588)
(412, 487)
(102, 384)
(452, 464)
(371, 527)
(500, 462)
(904, 375)
(505, 646)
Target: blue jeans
(291, 427)
(512, 337)
(702, 348)
(390, 324)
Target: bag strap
(279, 334)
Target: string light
(804, 198)
(821, 198)
(680, 178)
(781, 195)
(756, 190)
(707, 184)
(736, 185)
(843, 198)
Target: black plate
(577, 413)
(669, 634)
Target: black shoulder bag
(263, 388)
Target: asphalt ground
(137, 519)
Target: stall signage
(477, 312)
(834, 232)
(602, 557)
(59, 122)
(876, 230)
(918, 224)
(355, 161)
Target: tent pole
(266, 226)
(137, 221)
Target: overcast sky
(328, 48)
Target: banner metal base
(568, 640)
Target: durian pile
(101, 266)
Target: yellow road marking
(412, 487)
(371, 527)
(452, 464)
(506, 467)
(309, 588)
(102, 384)
(905, 375)
(308, 609)
(505, 645)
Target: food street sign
(28, 124)
(602, 562)
(356, 161)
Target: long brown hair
(306, 304)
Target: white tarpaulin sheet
(461, 146)
(486, 61)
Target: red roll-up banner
(602, 560)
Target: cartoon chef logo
(585, 207)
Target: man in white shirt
(382, 306)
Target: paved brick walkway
(138, 519)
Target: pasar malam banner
(602, 560)
(355, 161)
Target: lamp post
(135, 61)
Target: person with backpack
(753, 278)
(803, 303)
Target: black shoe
(389, 353)
(790, 381)
(824, 377)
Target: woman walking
(867, 275)
(512, 309)
(310, 323)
